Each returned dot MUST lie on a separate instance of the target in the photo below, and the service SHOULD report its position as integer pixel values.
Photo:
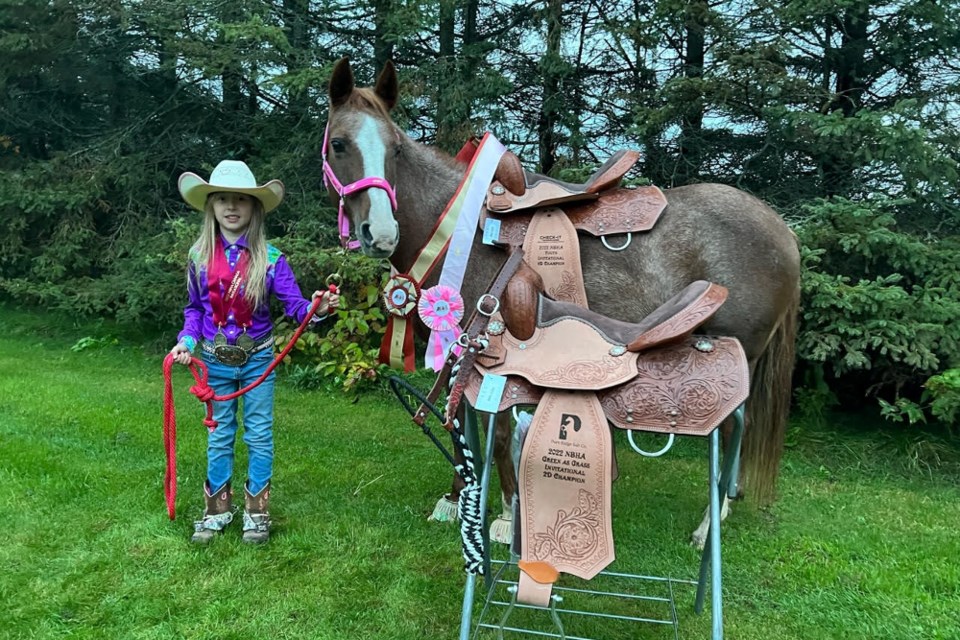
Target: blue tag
(491, 231)
(491, 391)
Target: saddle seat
(674, 320)
(515, 189)
(574, 348)
(525, 308)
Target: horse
(397, 188)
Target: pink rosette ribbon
(441, 309)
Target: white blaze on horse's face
(379, 232)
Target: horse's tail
(768, 408)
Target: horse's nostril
(365, 234)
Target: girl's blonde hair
(255, 289)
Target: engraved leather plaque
(552, 249)
(564, 485)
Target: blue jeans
(257, 420)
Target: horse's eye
(337, 145)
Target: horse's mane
(440, 157)
(365, 99)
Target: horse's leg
(501, 530)
(446, 507)
(699, 537)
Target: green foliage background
(843, 116)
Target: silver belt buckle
(230, 355)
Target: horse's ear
(341, 82)
(387, 86)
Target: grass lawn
(862, 543)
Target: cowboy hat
(233, 176)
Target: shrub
(894, 333)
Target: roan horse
(707, 232)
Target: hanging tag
(490, 393)
(491, 231)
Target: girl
(231, 274)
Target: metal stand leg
(716, 592)
(720, 482)
(466, 614)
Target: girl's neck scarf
(226, 287)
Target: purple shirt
(280, 282)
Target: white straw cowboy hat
(229, 175)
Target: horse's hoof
(501, 531)
(444, 511)
(698, 540)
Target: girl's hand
(181, 355)
(330, 301)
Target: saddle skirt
(616, 211)
(563, 355)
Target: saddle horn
(519, 304)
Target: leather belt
(234, 355)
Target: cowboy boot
(256, 515)
(217, 514)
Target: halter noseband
(370, 182)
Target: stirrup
(554, 614)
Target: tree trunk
(231, 76)
(550, 66)
(448, 81)
(295, 14)
(691, 122)
(847, 63)
(382, 46)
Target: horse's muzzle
(379, 245)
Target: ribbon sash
(455, 228)
(479, 177)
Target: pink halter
(370, 182)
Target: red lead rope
(206, 395)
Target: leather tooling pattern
(687, 388)
(565, 476)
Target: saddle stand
(583, 372)
(616, 598)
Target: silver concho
(703, 345)
(495, 328)
(245, 342)
(617, 350)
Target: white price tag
(491, 391)
(491, 231)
